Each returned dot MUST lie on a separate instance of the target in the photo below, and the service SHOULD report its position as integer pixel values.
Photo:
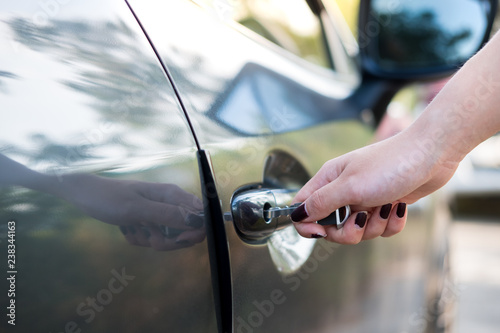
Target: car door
(101, 211)
(269, 112)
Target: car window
(288, 23)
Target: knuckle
(352, 240)
(300, 229)
(128, 211)
(316, 203)
(394, 228)
(345, 239)
(355, 192)
(398, 227)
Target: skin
(401, 169)
(411, 164)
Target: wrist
(444, 131)
(465, 112)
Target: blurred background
(474, 199)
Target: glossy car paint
(85, 93)
(253, 105)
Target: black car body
(185, 108)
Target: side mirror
(411, 40)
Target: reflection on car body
(128, 107)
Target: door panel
(252, 106)
(100, 176)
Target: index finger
(321, 203)
(329, 172)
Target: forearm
(15, 174)
(466, 112)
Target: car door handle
(257, 213)
(248, 211)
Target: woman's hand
(409, 165)
(376, 181)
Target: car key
(274, 212)
(338, 217)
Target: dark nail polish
(299, 213)
(361, 219)
(317, 236)
(123, 230)
(194, 221)
(385, 211)
(401, 210)
(146, 232)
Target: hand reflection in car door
(157, 215)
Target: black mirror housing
(421, 40)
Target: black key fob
(338, 217)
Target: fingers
(397, 220)
(160, 242)
(310, 230)
(153, 236)
(162, 226)
(159, 203)
(135, 235)
(157, 213)
(378, 222)
(170, 193)
(351, 233)
(386, 221)
(383, 221)
(321, 203)
(328, 173)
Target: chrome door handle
(248, 207)
(257, 213)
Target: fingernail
(299, 213)
(123, 230)
(385, 211)
(401, 210)
(361, 219)
(146, 232)
(318, 236)
(132, 230)
(194, 221)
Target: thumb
(321, 203)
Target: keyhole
(267, 216)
